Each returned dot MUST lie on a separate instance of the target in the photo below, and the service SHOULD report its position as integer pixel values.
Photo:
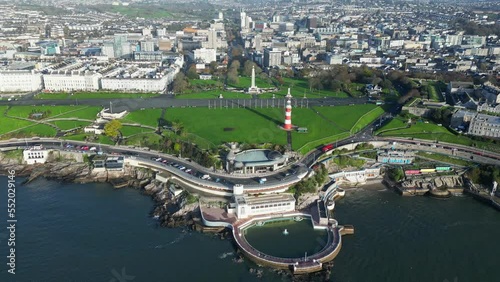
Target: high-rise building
(108, 49)
(119, 41)
(258, 42)
(221, 16)
(212, 38)
(147, 46)
(243, 19)
(312, 22)
(272, 58)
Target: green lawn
(246, 82)
(395, 123)
(143, 139)
(84, 112)
(300, 87)
(419, 128)
(345, 117)
(69, 124)
(262, 125)
(367, 118)
(203, 82)
(10, 124)
(146, 117)
(132, 130)
(81, 137)
(94, 95)
(39, 130)
(25, 111)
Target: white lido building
(247, 206)
(20, 81)
(72, 81)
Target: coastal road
(228, 180)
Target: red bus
(327, 148)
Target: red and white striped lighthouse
(288, 111)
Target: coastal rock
(306, 200)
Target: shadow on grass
(275, 121)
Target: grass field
(143, 139)
(300, 87)
(69, 124)
(83, 112)
(25, 111)
(366, 119)
(146, 117)
(419, 128)
(40, 130)
(94, 95)
(246, 81)
(81, 137)
(395, 123)
(262, 125)
(132, 130)
(10, 124)
(345, 117)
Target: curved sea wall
(313, 262)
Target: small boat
(285, 232)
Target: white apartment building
(140, 84)
(205, 55)
(20, 81)
(74, 81)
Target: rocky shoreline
(169, 211)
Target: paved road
(168, 101)
(225, 179)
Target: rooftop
(264, 199)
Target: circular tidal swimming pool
(299, 238)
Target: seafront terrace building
(72, 81)
(20, 81)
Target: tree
(180, 83)
(191, 72)
(247, 68)
(112, 128)
(235, 65)
(177, 126)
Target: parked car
(188, 170)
